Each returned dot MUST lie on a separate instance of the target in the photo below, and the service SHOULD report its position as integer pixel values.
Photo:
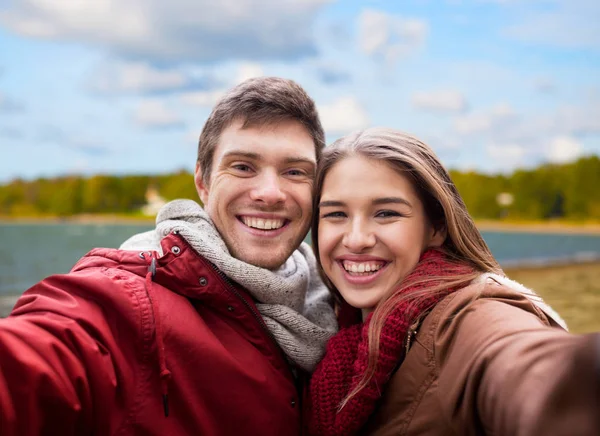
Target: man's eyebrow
(395, 200)
(256, 156)
(299, 160)
(244, 154)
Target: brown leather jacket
(487, 361)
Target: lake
(30, 252)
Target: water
(30, 252)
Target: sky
(124, 86)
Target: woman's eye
(333, 215)
(387, 214)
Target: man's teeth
(361, 267)
(263, 224)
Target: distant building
(154, 202)
(505, 199)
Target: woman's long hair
(444, 208)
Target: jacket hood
(529, 293)
(131, 261)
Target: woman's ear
(437, 237)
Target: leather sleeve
(60, 363)
(502, 368)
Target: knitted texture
(293, 301)
(347, 353)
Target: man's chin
(267, 260)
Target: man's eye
(241, 167)
(296, 173)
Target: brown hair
(443, 207)
(258, 102)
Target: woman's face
(372, 229)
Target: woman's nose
(359, 237)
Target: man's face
(260, 191)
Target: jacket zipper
(256, 315)
(412, 333)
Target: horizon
(507, 174)
(115, 88)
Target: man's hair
(259, 102)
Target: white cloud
(568, 24)
(343, 116)
(494, 118)
(580, 119)
(473, 74)
(138, 77)
(8, 104)
(506, 151)
(502, 2)
(72, 140)
(472, 123)
(248, 70)
(154, 114)
(202, 98)
(502, 111)
(517, 140)
(390, 37)
(442, 101)
(545, 85)
(330, 73)
(79, 166)
(208, 98)
(506, 156)
(178, 30)
(564, 149)
(11, 133)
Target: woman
(444, 343)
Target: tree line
(567, 191)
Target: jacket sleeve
(60, 365)
(503, 369)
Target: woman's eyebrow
(395, 200)
(331, 203)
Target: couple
(217, 322)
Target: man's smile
(262, 223)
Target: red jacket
(126, 338)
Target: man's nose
(359, 236)
(268, 189)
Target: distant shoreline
(586, 228)
(80, 219)
(539, 227)
(537, 277)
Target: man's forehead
(287, 142)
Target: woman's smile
(372, 229)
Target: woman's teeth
(362, 267)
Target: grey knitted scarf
(293, 301)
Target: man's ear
(200, 185)
(437, 237)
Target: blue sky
(124, 86)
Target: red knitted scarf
(347, 354)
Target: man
(201, 326)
